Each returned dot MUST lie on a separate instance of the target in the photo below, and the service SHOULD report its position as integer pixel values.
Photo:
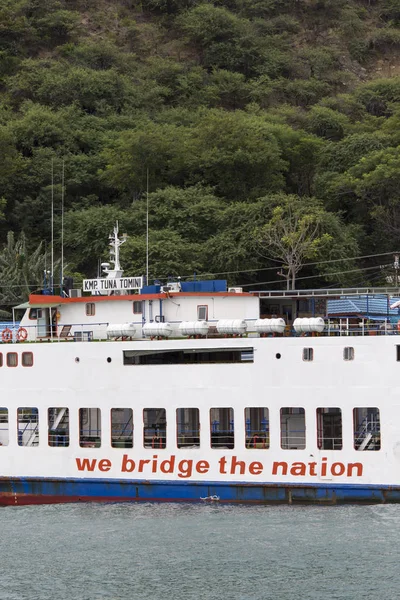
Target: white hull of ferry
(71, 376)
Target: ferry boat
(193, 391)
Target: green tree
(237, 153)
(298, 229)
(21, 269)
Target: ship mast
(115, 244)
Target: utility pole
(396, 269)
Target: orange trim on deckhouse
(43, 300)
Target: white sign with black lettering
(109, 285)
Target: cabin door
(47, 322)
(42, 322)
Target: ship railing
(87, 332)
(122, 434)
(223, 439)
(189, 438)
(293, 440)
(77, 332)
(90, 437)
(362, 328)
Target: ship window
(12, 359)
(202, 313)
(27, 359)
(154, 428)
(28, 426)
(367, 428)
(90, 309)
(4, 431)
(137, 307)
(188, 427)
(329, 429)
(1, 359)
(308, 354)
(121, 428)
(257, 427)
(293, 428)
(188, 356)
(58, 427)
(398, 353)
(222, 428)
(348, 353)
(90, 427)
(35, 313)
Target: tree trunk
(293, 273)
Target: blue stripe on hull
(18, 491)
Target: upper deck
(116, 307)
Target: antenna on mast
(62, 223)
(147, 228)
(52, 225)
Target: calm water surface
(184, 552)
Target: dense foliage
(235, 113)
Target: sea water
(196, 552)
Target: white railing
(87, 332)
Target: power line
(321, 262)
(313, 276)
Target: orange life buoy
(6, 335)
(22, 334)
(398, 325)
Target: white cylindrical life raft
(269, 325)
(121, 330)
(307, 325)
(157, 330)
(193, 328)
(232, 326)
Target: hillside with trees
(266, 132)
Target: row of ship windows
(348, 353)
(12, 359)
(153, 422)
(206, 355)
(137, 309)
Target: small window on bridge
(90, 309)
(137, 307)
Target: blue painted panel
(151, 289)
(212, 285)
(36, 491)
